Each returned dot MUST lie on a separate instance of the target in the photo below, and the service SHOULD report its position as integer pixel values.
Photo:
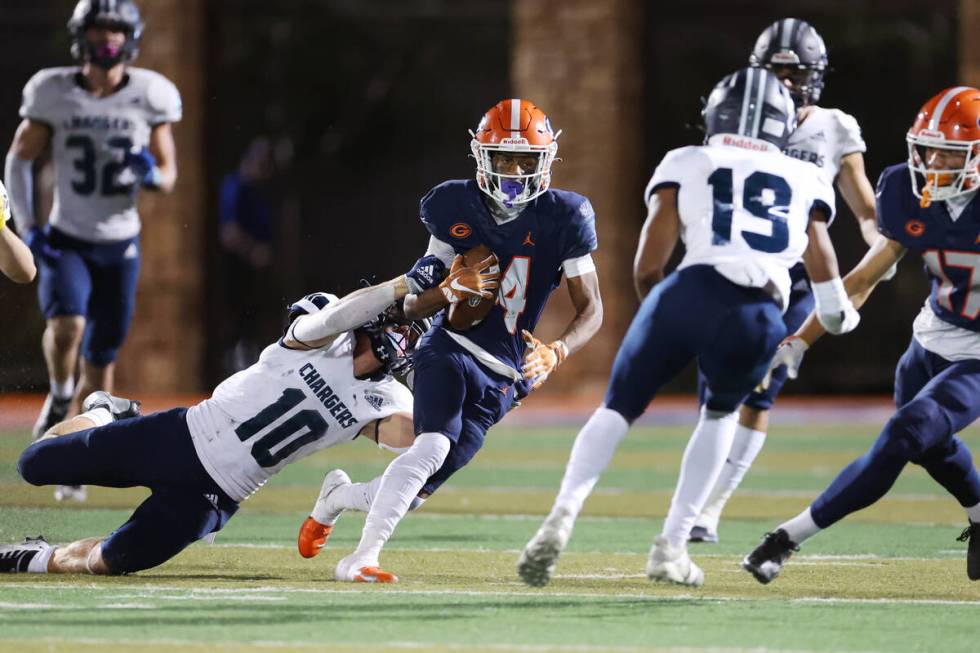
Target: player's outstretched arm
(860, 282)
(353, 310)
(540, 359)
(853, 184)
(833, 308)
(657, 240)
(16, 260)
(460, 284)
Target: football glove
(427, 272)
(140, 166)
(540, 360)
(463, 283)
(789, 353)
(834, 309)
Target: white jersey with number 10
(744, 208)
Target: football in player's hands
(473, 308)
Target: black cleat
(118, 407)
(54, 410)
(766, 561)
(14, 558)
(971, 534)
(703, 535)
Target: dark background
(368, 104)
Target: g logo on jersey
(915, 228)
(460, 230)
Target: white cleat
(360, 570)
(77, 493)
(326, 511)
(672, 565)
(538, 559)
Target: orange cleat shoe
(312, 536)
(374, 575)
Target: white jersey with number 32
(744, 208)
(288, 405)
(89, 137)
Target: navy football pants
(936, 399)
(153, 451)
(733, 331)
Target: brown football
(468, 313)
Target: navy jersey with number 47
(950, 248)
(557, 226)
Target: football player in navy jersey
(927, 205)
(466, 381)
(108, 125)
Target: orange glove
(541, 360)
(464, 283)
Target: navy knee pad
(917, 427)
(31, 465)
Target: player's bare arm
(853, 184)
(395, 432)
(860, 282)
(833, 308)
(164, 150)
(16, 260)
(820, 258)
(657, 241)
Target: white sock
(702, 462)
(801, 528)
(62, 390)
(99, 416)
(400, 484)
(746, 445)
(39, 563)
(593, 449)
(356, 496)
(973, 514)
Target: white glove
(789, 353)
(834, 309)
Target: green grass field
(891, 578)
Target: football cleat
(352, 570)
(118, 407)
(672, 565)
(767, 560)
(312, 536)
(14, 558)
(326, 511)
(71, 493)
(703, 535)
(54, 411)
(972, 535)
(537, 561)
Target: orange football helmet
(949, 123)
(514, 126)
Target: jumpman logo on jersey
(527, 240)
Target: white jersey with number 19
(288, 405)
(744, 208)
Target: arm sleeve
(163, 101)
(348, 313)
(35, 103)
(824, 198)
(580, 235)
(441, 250)
(20, 177)
(849, 133)
(667, 175)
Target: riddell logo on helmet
(460, 230)
(746, 143)
(513, 141)
(931, 133)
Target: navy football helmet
(393, 339)
(121, 15)
(793, 50)
(751, 102)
